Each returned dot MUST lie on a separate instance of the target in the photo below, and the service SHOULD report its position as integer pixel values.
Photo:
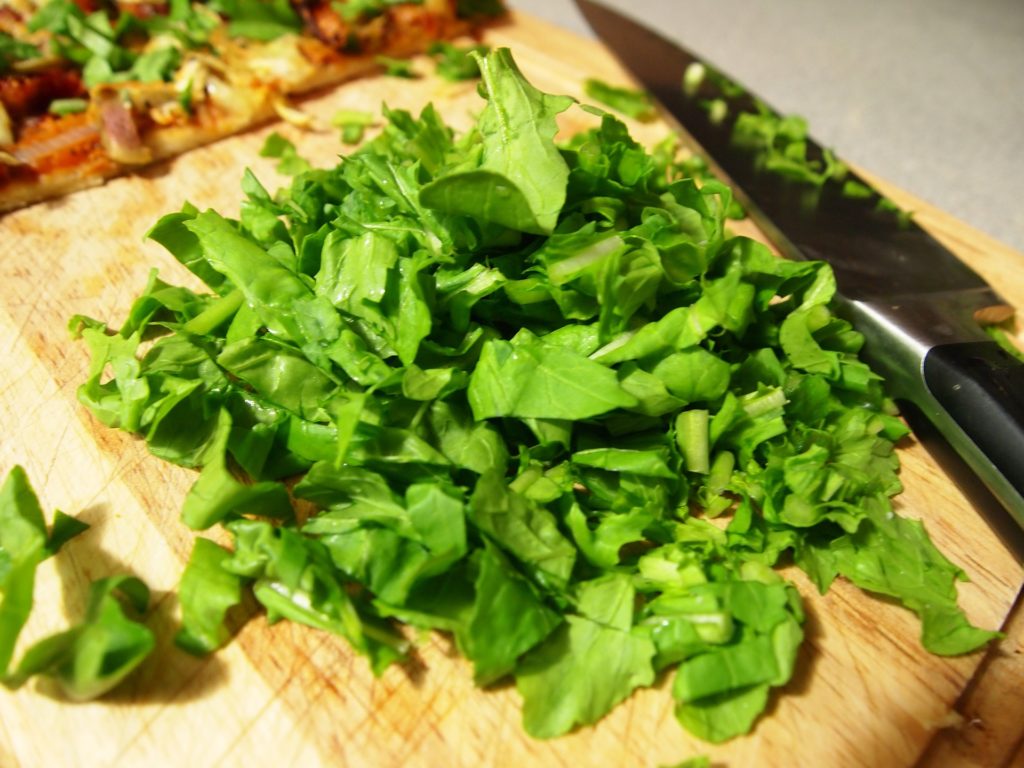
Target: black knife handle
(981, 387)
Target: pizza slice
(90, 90)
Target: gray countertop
(928, 94)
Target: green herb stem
(216, 314)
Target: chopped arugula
(513, 175)
(94, 43)
(356, 10)
(396, 67)
(628, 101)
(13, 50)
(353, 124)
(455, 63)
(290, 163)
(519, 380)
(68, 106)
(102, 46)
(24, 543)
(91, 657)
(259, 19)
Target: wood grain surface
(865, 693)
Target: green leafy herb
(88, 659)
(23, 545)
(396, 67)
(355, 10)
(700, 761)
(13, 50)
(516, 176)
(259, 19)
(353, 124)
(589, 665)
(68, 106)
(456, 63)
(628, 101)
(277, 146)
(207, 592)
(108, 48)
(98, 45)
(92, 657)
(517, 380)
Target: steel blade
(919, 308)
(874, 252)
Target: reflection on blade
(808, 202)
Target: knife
(919, 308)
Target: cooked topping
(27, 95)
(144, 10)
(326, 23)
(57, 142)
(120, 133)
(6, 130)
(282, 62)
(296, 117)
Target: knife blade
(918, 306)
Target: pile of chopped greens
(532, 395)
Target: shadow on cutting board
(998, 519)
(168, 673)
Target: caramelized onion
(120, 135)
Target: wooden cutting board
(865, 693)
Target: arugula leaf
(293, 577)
(528, 378)
(508, 618)
(456, 63)
(96, 43)
(523, 528)
(589, 665)
(893, 556)
(629, 101)
(217, 494)
(279, 147)
(353, 124)
(259, 19)
(396, 67)
(92, 657)
(22, 548)
(207, 592)
(68, 106)
(13, 50)
(519, 177)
